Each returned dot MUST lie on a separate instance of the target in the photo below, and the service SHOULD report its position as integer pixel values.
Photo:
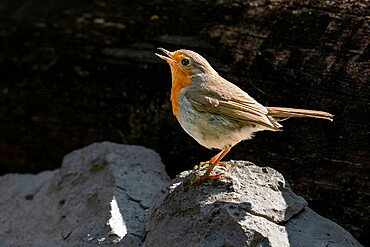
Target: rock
(249, 206)
(99, 196)
(109, 194)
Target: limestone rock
(99, 196)
(249, 206)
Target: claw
(222, 164)
(204, 163)
(201, 164)
(213, 177)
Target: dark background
(78, 72)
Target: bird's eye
(185, 62)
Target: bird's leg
(217, 157)
(196, 180)
(215, 160)
(212, 161)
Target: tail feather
(282, 112)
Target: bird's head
(186, 62)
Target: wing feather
(238, 106)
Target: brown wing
(232, 103)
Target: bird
(217, 113)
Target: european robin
(217, 113)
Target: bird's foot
(195, 181)
(204, 163)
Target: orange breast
(179, 80)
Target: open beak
(168, 53)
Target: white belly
(212, 131)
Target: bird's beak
(168, 53)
